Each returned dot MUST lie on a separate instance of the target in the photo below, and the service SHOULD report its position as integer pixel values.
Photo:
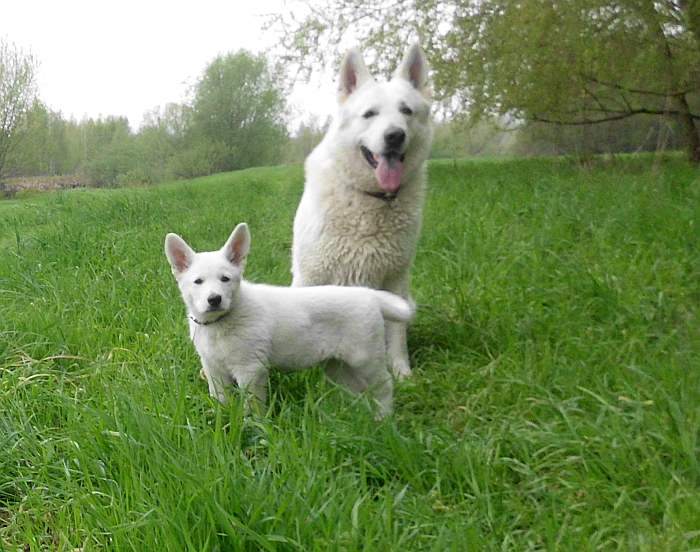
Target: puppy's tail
(395, 308)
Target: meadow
(555, 402)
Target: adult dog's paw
(401, 369)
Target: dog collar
(210, 322)
(384, 196)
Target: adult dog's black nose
(214, 300)
(394, 137)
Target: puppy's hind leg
(380, 385)
(372, 376)
(368, 365)
(344, 375)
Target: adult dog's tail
(395, 308)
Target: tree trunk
(692, 136)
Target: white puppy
(359, 219)
(240, 328)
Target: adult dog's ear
(414, 69)
(353, 74)
(237, 246)
(179, 254)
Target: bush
(200, 159)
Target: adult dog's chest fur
(361, 241)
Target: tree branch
(540, 119)
(613, 116)
(618, 86)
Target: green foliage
(303, 141)
(160, 145)
(201, 158)
(111, 151)
(456, 139)
(462, 138)
(235, 121)
(17, 93)
(237, 114)
(579, 60)
(554, 404)
(570, 62)
(42, 144)
(641, 133)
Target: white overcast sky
(107, 57)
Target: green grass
(555, 402)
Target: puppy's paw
(379, 416)
(381, 412)
(202, 375)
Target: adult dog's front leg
(397, 349)
(396, 346)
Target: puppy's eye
(406, 110)
(225, 279)
(199, 281)
(369, 114)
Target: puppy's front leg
(253, 380)
(216, 384)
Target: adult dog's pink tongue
(388, 173)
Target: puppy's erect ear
(414, 68)
(238, 244)
(353, 74)
(179, 254)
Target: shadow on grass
(450, 334)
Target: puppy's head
(386, 126)
(210, 281)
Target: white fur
(344, 236)
(256, 325)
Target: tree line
(619, 64)
(235, 119)
(573, 77)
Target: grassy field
(555, 402)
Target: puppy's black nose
(394, 137)
(214, 300)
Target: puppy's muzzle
(214, 300)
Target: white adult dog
(360, 215)
(240, 328)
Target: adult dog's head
(385, 127)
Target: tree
(161, 138)
(110, 150)
(237, 113)
(17, 92)
(43, 148)
(303, 140)
(570, 62)
(457, 138)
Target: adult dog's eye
(405, 110)
(369, 114)
(198, 281)
(225, 279)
